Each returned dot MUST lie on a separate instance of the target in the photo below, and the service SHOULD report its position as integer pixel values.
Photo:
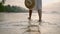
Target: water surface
(17, 23)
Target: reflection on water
(33, 27)
(17, 23)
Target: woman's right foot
(29, 18)
(39, 20)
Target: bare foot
(39, 20)
(29, 18)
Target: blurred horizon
(47, 5)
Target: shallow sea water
(17, 23)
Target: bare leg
(30, 13)
(40, 14)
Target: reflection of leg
(40, 14)
(30, 13)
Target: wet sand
(17, 23)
